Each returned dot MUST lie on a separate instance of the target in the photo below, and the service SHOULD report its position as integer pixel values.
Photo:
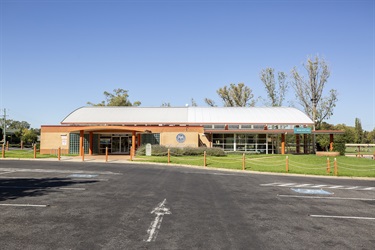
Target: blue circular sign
(180, 138)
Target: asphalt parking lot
(76, 205)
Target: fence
(330, 166)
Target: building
(120, 130)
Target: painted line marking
(341, 217)
(288, 184)
(78, 189)
(349, 188)
(154, 228)
(8, 172)
(324, 197)
(335, 187)
(39, 187)
(319, 186)
(83, 175)
(358, 188)
(271, 184)
(41, 178)
(23, 205)
(302, 185)
(311, 191)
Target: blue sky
(57, 55)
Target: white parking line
(335, 187)
(23, 205)
(358, 188)
(319, 186)
(302, 185)
(341, 217)
(8, 172)
(349, 188)
(324, 197)
(78, 189)
(286, 185)
(40, 187)
(271, 184)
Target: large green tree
(275, 90)
(29, 135)
(119, 97)
(359, 138)
(238, 95)
(12, 124)
(309, 90)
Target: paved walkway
(97, 158)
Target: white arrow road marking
(160, 211)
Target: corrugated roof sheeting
(187, 115)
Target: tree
(193, 103)
(119, 97)
(370, 137)
(358, 131)
(323, 140)
(166, 104)
(29, 135)
(275, 92)
(11, 124)
(234, 96)
(310, 92)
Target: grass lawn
(298, 164)
(25, 154)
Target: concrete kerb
(246, 172)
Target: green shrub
(158, 150)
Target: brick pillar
(282, 144)
(81, 136)
(91, 146)
(330, 142)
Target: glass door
(116, 145)
(121, 144)
(125, 148)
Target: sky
(57, 55)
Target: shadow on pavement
(11, 189)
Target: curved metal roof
(187, 115)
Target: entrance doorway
(121, 144)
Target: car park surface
(90, 205)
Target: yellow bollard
(335, 166)
(106, 154)
(204, 159)
(169, 155)
(328, 166)
(243, 161)
(59, 153)
(287, 164)
(34, 151)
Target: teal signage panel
(302, 130)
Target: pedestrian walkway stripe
(305, 185)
